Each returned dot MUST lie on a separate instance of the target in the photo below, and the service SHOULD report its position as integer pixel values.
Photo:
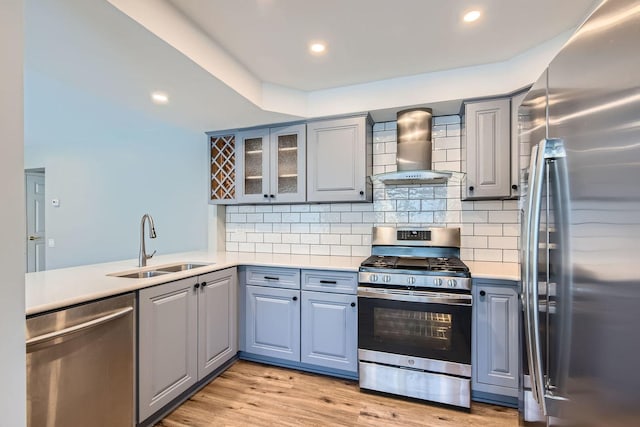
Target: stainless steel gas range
(414, 316)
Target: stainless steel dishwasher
(80, 365)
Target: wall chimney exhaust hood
(414, 151)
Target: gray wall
(12, 225)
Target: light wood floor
(252, 394)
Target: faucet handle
(152, 254)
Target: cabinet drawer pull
(196, 286)
(328, 282)
(271, 278)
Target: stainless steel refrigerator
(581, 228)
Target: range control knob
(411, 280)
(373, 277)
(386, 278)
(452, 283)
(437, 282)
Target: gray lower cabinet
(273, 322)
(496, 350)
(315, 327)
(187, 328)
(329, 330)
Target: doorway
(36, 249)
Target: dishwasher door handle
(31, 342)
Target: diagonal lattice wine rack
(223, 168)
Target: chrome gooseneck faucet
(143, 257)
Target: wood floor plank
(252, 394)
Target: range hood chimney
(413, 158)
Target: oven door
(416, 329)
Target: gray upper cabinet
(187, 329)
(217, 320)
(339, 160)
(167, 344)
(273, 322)
(329, 330)
(271, 165)
(487, 151)
(496, 350)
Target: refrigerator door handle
(547, 149)
(526, 272)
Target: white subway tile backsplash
(291, 238)
(490, 229)
(341, 250)
(254, 217)
(310, 239)
(310, 217)
(500, 242)
(300, 228)
(408, 205)
(272, 217)
(504, 216)
(509, 255)
(319, 250)
(330, 239)
(300, 249)
(246, 247)
(264, 247)
(273, 237)
(487, 255)
(291, 217)
(281, 248)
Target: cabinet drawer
(340, 282)
(274, 277)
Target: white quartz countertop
(54, 289)
(494, 270)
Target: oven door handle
(415, 296)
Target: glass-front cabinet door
(253, 166)
(288, 158)
(271, 165)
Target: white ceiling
(239, 63)
(371, 40)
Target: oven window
(425, 328)
(428, 330)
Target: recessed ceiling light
(471, 16)
(160, 97)
(317, 47)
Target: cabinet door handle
(295, 298)
(361, 193)
(471, 188)
(272, 196)
(266, 196)
(196, 286)
(514, 187)
(328, 282)
(271, 278)
(353, 304)
(482, 293)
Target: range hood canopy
(413, 158)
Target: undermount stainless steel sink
(180, 267)
(149, 272)
(141, 274)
